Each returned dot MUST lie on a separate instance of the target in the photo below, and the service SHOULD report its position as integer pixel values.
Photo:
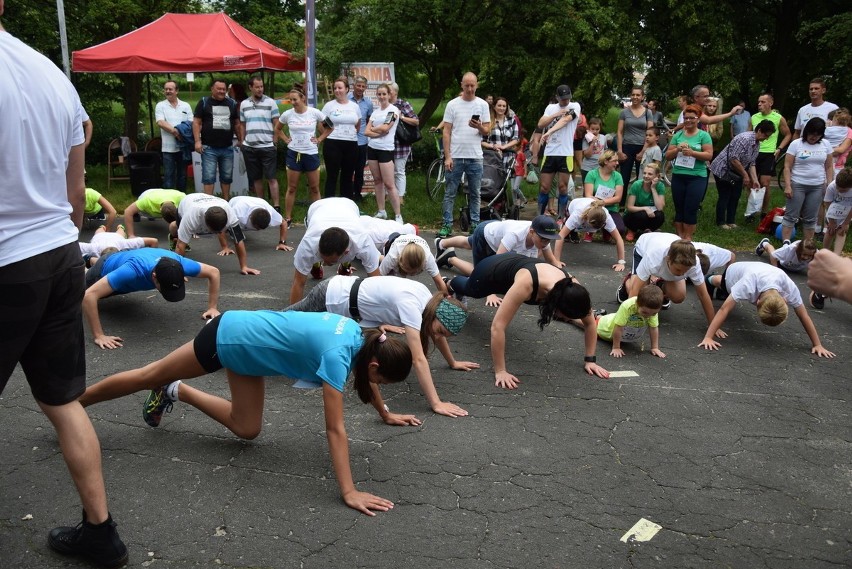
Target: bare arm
(94, 293)
(128, 214)
(297, 289)
(212, 275)
(520, 291)
(424, 377)
(811, 331)
(242, 257)
(75, 183)
(196, 133)
(110, 212)
(727, 307)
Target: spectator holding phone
(381, 132)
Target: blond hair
(772, 309)
(412, 259)
(595, 215)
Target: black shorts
(765, 164)
(41, 324)
(382, 156)
(561, 164)
(578, 145)
(95, 274)
(204, 346)
(260, 162)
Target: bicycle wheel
(779, 171)
(435, 179)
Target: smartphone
(390, 117)
(475, 118)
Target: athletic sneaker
(761, 247)
(316, 271)
(172, 242)
(587, 238)
(667, 303)
(622, 293)
(381, 214)
(398, 219)
(597, 313)
(289, 222)
(573, 237)
(446, 230)
(345, 269)
(438, 249)
(817, 300)
(443, 259)
(157, 403)
(99, 544)
(473, 225)
(631, 236)
(786, 242)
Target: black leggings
(638, 221)
(340, 159)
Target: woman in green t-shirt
(606, 184)
(690, 149)
(646, 201)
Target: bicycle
(435, 174)
(779, 169)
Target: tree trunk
(132, 83)
(786, 24)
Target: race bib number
(685, 161)
(302, 139)
(345, 129)
(630, 334)
(838, 210)
(604, 192)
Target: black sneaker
(438, 249)
(786, 242)
(573, 237)
(597, 313)
(817, 300)
(99, 544)
(622, 293)
(667, 303)
(443, 260)
(760, 247)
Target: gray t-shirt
(634, 128)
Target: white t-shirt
(105, 239)
(381, 229)
(654, 250)
(378, 118)
(302, 128)
(346, 118)
(466, 141)
(512, 234)
(809, 164)
(381, 300)
(841, 202)
(787, 258)
(390, 263)
(561, 143)
(576, 207)
(191, 212)
(164, 111)
(809, 111)
(719, 256)
(746, 281)
(335, 212)
(35, 215)
(242, 206)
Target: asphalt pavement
(742, 457)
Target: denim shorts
(217, 156)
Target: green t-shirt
(152, 200)
(696, 141)
(92, 206)
(627, 316)
(604, 189)
(771, 143)
(643, 198)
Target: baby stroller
(496, 198)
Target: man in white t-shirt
(259, 122)
(202, 214)
(560, 123)
(334, 235)
(255, 214)
(818, 107)
(170, 113)
(41, 279)
(466, 120)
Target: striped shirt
(259, 119)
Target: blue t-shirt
(130, 271)
(314, 347)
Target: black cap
(169, 274)
(563, 92)
(545, 227)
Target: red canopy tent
(185, 43)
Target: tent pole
(150, 108)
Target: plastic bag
(532, 176)
(755, 201)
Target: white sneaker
(399, 220)
(381, 214)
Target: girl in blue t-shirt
(316, 349)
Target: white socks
(172, 390)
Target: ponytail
(570, 299)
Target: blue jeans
(472, 168)
(213, 156)
(174, 171)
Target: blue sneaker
(157, 403)
(761, 247)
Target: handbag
(407, 133)
(730, 175)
